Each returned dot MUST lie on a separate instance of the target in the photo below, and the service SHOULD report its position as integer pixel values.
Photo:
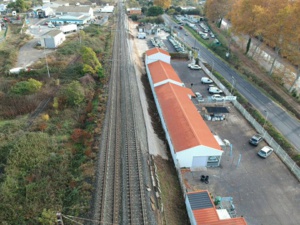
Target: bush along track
(49, 166)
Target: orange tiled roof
(232, 221)
(161, 71)
(186, 127)
(209, 216)
(156, 50)
(205, 216)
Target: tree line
(274, 22)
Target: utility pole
(59, 220)
(46, 63)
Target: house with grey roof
(75, 10)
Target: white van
(141, 35)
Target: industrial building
(75, 10)
(191, 142)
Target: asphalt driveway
(263, 190)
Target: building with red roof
(161, 73)
(156, 54)
(191, 142)
(202, 211)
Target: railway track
(120, 196)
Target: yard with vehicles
(243, 172)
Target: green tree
(74, 93)
(155, 11)
(26, 87)
(48, 217)
(91, 62)
(19, 6)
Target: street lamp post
(46, 63)
(232, 84)
(267, 113)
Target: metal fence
(294, 168)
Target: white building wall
(91, 13)
(59, 39)
(190, 211)
(185, 157)
(168, 81)
(157, 56)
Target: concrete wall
(190, 211)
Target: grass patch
(172, 196)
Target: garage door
(199, 162)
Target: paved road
(286, 124)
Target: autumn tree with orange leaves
(276, 21)
(216, 10)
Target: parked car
(197, 94)
(255, 140)
(199, 97)
(215, 90)
(210, 85)
(205, 30)
(217, 97)
(206, 80)
(212, 34)
(205, 36)
(265, 152)
(50, 25)
(195, 67)
(216, 41)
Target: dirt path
(156, 146)
(28, 54)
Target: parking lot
(263, 190)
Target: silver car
(265, 152)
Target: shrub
(26, 87)
(73, 93)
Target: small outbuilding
(43, 11)
(75, 10)
(202, 211)
(67, 19)
(107, 9)
(134, 11)
(52, 39)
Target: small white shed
(52, 39)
